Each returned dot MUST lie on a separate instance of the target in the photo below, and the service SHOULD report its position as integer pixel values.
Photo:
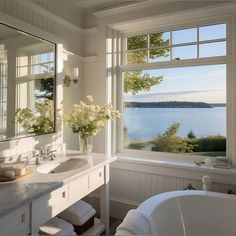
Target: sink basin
(58, 167)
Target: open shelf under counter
(97, 228)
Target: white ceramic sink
(64, 166)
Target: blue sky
(196, 84)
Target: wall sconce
(68, 81)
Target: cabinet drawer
(16, 223)
(58, 200)
(96, 179)
(78, 189)
(48, 206)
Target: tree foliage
(191, 135)
(170, 142)
(135, 81)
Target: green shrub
(169, 142)
(137, 145)
(208, 144)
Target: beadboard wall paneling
(21, 11)
(70, 12)
(129, 187)
(41, 17)
(132, 184)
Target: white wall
(72, 95)
(38, 20)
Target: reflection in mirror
(27, 84)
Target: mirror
(27, 84)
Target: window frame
(227, 60)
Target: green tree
(170, 142)
(191, 135)
(135, 81)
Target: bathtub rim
(150, 205)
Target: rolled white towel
(57, 226)
(136, 223)
(74, 218)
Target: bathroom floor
(114, 223)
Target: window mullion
(175, 64)
(197, 42)
(171, 46)
(148, 47)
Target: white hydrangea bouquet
(88, 119)
(39, 120)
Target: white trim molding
(90, 59)
(22, 25)
(37, 9)
(130, 7)
(181, 17)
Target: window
(191, 43)
(176, 107)
(42, 63)
(35, 80)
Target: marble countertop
(19, 192)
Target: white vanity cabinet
(29, 209)
(16, 223)
(49, 205)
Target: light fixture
(68, 81)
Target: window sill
(176, 164)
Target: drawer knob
(100, 174)
(64, 194)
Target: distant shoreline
(173, 104)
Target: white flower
(89, 119)
(90, 98)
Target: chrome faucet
(37, 161)
(52, 155)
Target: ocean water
(145, 123)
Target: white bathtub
(192, 213)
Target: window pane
(51, 54)
(51, 67)
(212, 32)
(22, 71)
(137, 42)
(212, 49)
(185, 52)
(44, 57)
(160, 39)
(35, 70)
(184, 36)
(35, 59)
(157, 55)
(183, 113)
(22, 61)
(137, 57)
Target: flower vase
(85, 145)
